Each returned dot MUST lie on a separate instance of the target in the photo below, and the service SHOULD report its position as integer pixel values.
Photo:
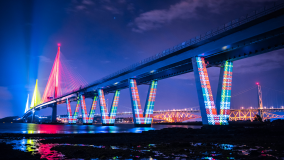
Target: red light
(58, 44)
(257, 83)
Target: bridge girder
(176, 116)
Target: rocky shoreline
(218, 142)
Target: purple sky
(100, 37)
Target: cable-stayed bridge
(256, 33)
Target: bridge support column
(200, 81)
(207, 106)
(223, 100)
(84, 109)
(108, 118)
(54, 113)
(75, 115)
(92, 110)
(81, 102)
(72, 119)
(142, 119)
(219, 89)
(69, 112)
(33, 116)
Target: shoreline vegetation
(262, 141)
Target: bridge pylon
(56, 77)
(33, 116)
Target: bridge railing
(225, 27)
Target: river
(30, 128)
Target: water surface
(30, 128)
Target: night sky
(102, 36)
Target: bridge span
(183, 115)
(256, 33)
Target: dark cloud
(90, 6)
(112, 9)
(261, 63)
(88, 2)
(184, 9)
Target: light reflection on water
(35, 147)
(29, 128)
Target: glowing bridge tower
(36, 97)
(52, 89)
(35, 100)
(56, 77)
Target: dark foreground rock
(161, 151)
(88, 152)
(8, 153)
